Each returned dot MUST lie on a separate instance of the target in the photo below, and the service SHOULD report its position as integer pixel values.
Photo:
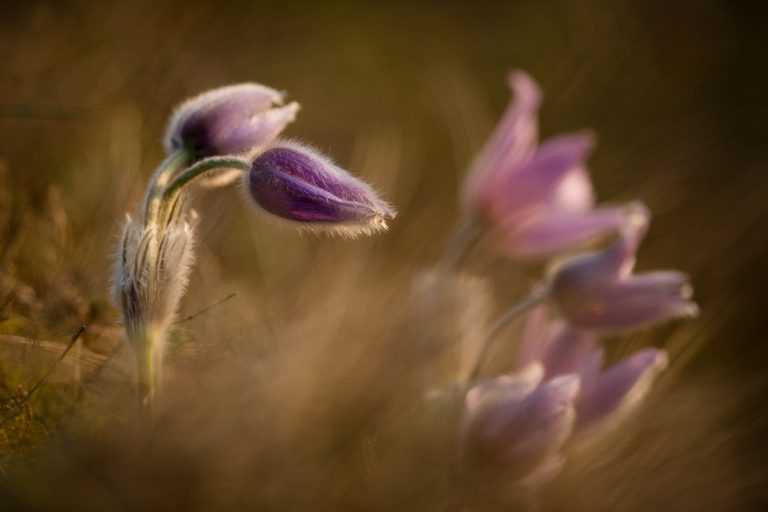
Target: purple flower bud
(297, 183)
(514, 425)
(598, 291)
(611, 395)
(229, 120)
(536, 201)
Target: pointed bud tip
(524, 87)
(691, 310)
(638, 216)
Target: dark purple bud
(229, 120)
(297, 183)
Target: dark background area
(676, 92)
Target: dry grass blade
(20, 401)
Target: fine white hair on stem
(151, 272)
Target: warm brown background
(404, 93)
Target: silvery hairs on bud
(298, 184)
(151, 273)
(230, 120)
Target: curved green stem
(511, 314)
(157, 183)
(200, 168)
(197, 170)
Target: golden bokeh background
(403, 94)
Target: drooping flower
(516, 424)
(536, 201)
(299, 184)
(607, 395)
(598, 290)
(230, 120)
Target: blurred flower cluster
(535, 201)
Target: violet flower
(598, 290)
(611, 395)
(230, 120)
(299, 184)
(536, 201)
(516, 425)
(606, 396)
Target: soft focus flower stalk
(535, 200)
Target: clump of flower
(536, 200)
(225, 133)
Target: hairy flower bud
(230, 120)
(151, 274)
(598, 290)
(299, 184)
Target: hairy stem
(159, 180)
(171, 194)
(200, 168)
(511, 314)
(150, 365)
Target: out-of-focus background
(403, 94)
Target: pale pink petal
(512, 142)
(617, 391)
(635, 302)
(559, 231)
(571, 351)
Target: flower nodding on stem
(299, 184)
(229, 120)
(599, 291)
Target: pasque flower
(535, 200)
(606, 395)
(598, 290)
(298, 184)
(516, 424)
(230, 120)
